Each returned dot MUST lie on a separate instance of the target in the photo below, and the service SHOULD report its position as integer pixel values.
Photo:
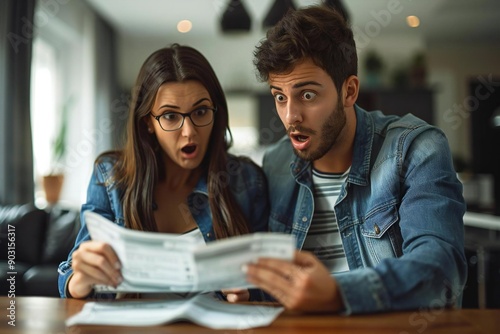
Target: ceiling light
(413, 21)
(277, 11)
(235, 17)
(184, 26)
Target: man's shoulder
(400, 133)
(391, 125)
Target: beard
(328, 136)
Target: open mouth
(300, 138)
(188, 149)
(299, 141)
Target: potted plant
(52, 183)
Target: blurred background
(67, 68)
(437, 59)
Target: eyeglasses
(171, 121)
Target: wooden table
(40, 315)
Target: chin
(190, 165)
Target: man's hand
(302, 285)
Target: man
(372, 199)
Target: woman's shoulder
(105, 164)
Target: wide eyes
(305, 96)
(200, 112)
(279, 97)
(171, 116)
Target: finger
(100, 254)
(278, 283)
(236, 295)
(283, 268)
(90, 275)
(95, 265)
(105, 250)
(242, 296)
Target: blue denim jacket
(247, 182)
(400, 214)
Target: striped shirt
(323, 237)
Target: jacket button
(304, 219)
(377, 229)
(208, 234)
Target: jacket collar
(360, 167)
(365, 131)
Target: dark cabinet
(399, 102)
(270, 127)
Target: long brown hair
(140, 165)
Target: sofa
(32, 244)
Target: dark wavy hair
(140, 165)
(316, 32)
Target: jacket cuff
(362, 291)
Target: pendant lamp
(277, 11)
(235, 18)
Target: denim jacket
(246, 180)
(400, 214)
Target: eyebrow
(299, 85)
(177, 107)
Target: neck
(178, 178)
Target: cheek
(281, 112)
(167, 144)
(323, 111)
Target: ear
(149, 124)
(350, 91)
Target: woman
(174, 174)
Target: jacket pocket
(381, 235)
(378, 221)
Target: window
(64, 83)
(45, 118)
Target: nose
(292, 113)
(188, 128)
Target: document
(162, 262)
(203, 310)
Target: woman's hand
(93, 262)
(302, 285)
(236, 295)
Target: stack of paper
(202, 310)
